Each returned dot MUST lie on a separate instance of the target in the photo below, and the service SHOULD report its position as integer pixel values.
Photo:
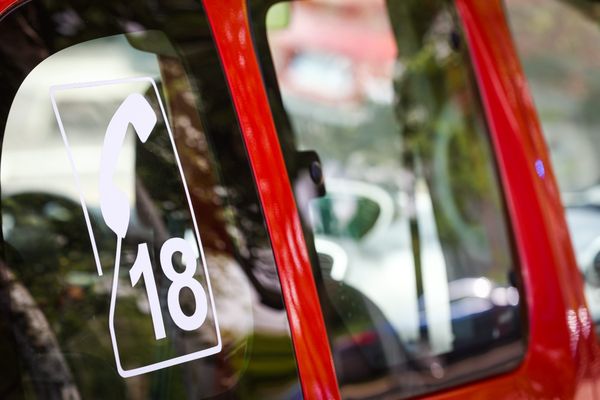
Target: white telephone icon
(185, 315)
(135, 110)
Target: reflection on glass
(58, 307)
(410, 240)
(558, 42)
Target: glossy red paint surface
(561, 339)
(6, 4)
(229, 22)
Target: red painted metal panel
(229, 21)
(6, 4)
(560, 335)
(561, 338)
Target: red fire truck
(301, 199)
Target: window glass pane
(559, 45)
(135, 260)
(406, 226)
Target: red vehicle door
(315, 199)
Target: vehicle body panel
(561, 338)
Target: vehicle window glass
(559, 46)
(388, 153)
(135, 260)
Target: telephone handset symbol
(179, 273)
(135, 110)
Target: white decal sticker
(136, 111)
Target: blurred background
(558, 43)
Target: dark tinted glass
(135, 261)
(389, 157)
